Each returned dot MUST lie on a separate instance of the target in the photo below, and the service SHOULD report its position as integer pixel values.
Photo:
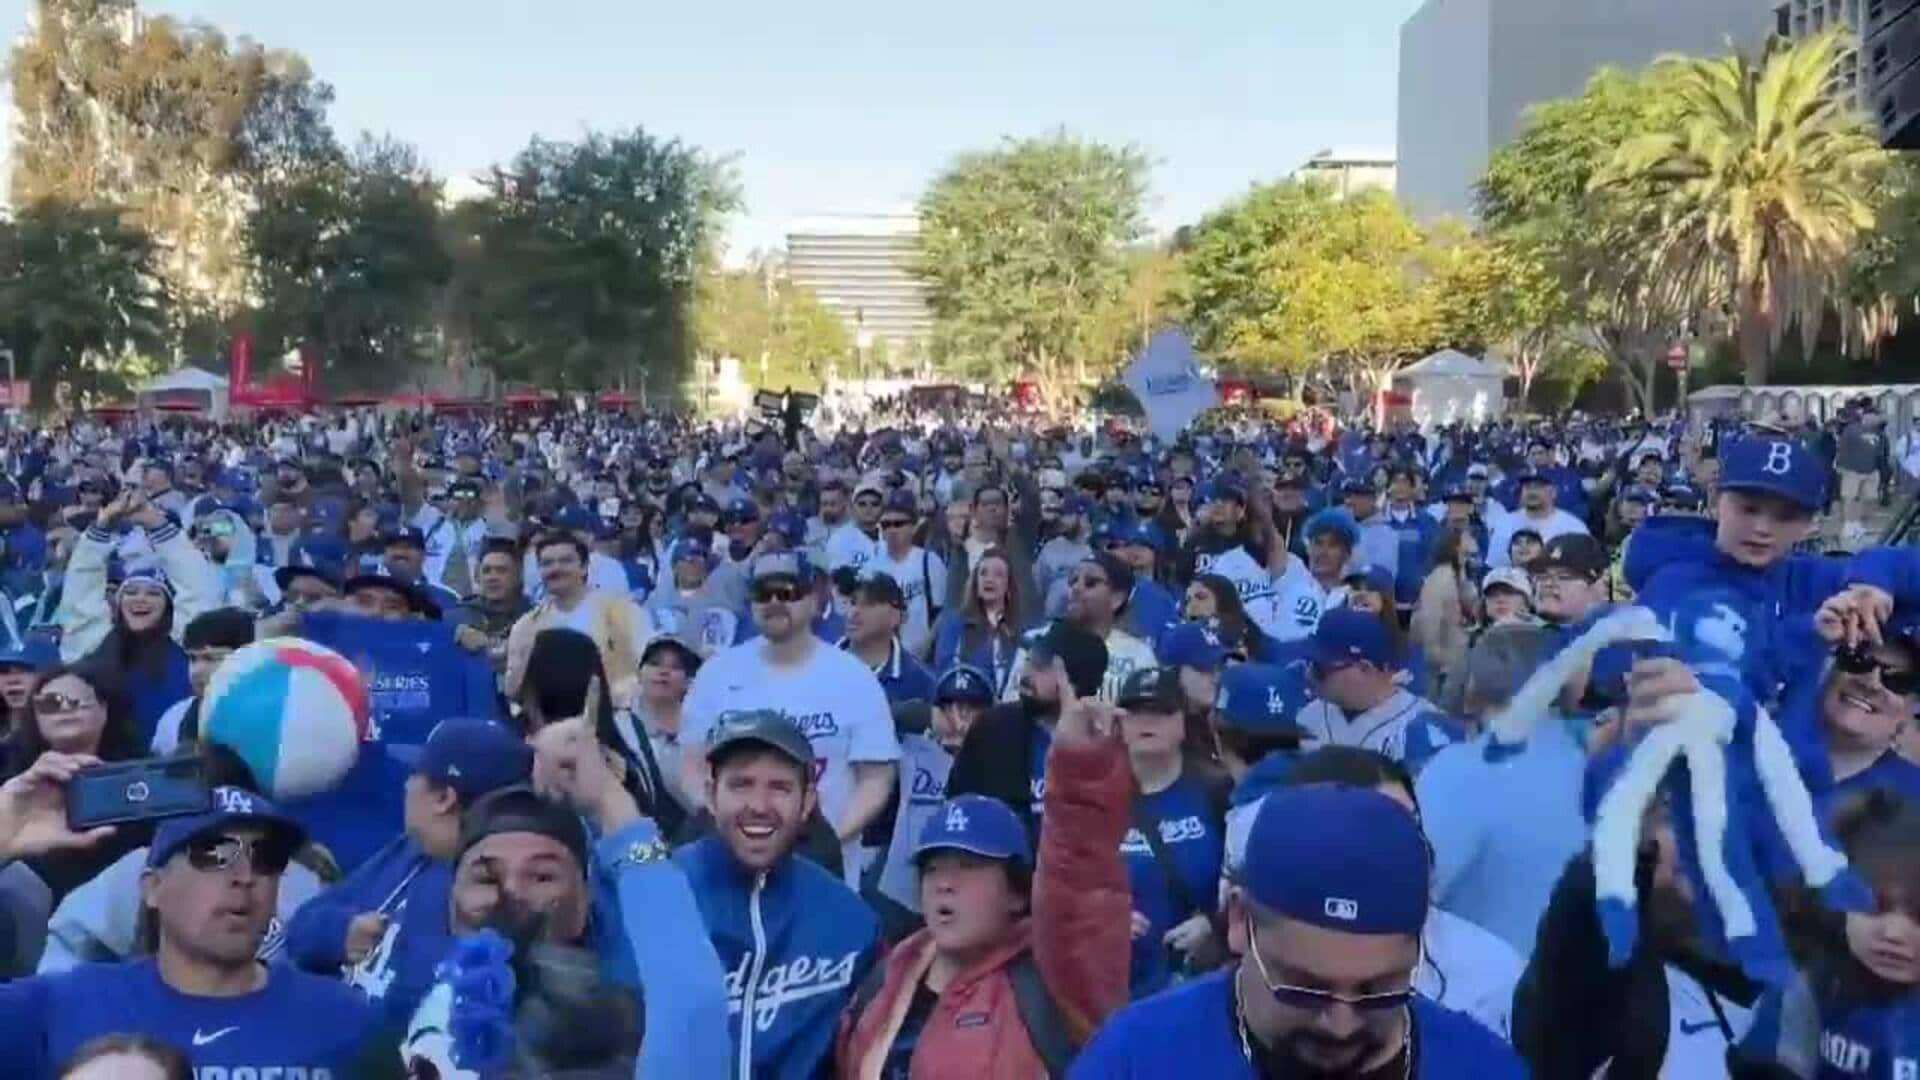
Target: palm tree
(1751, 200)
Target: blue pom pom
(1620, 922)
(1846, 892)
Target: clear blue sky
(851, 105)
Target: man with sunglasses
(209, 892)
(830, 695)
(922, 575)
(1327, 921)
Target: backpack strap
(1041, 1016)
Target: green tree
(1119, 326)
(349, 259)
(1755, 192)
(1021, 245)
(1494, 293)
(579, 266)
(166, 123)
(784, 337)
(79, 292)
(1536, 198)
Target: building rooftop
(902, 223)
(1350, 155)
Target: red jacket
(1079, 934)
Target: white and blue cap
(1769, 465)
(787, 564)
(231, 806)
(1340, 858)
(978, 824)
(963, 684)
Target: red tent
(617, 399)
(286, 393)
(357, 401)
(113, 410)
(445, 403)
(528, 399)
(178, 406)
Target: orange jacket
(1079, 935)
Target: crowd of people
(954, 747)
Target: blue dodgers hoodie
(795, 944)
(1190, 1031)
(401, 882)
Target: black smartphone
(143, 790)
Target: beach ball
(294, 711)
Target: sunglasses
(219, 527)
(1861, 662)
(1309, 1000)
(217, 854)
(897, 523)
(60, 703)
(777, 592)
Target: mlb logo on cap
(1339, 907)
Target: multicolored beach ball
(294, 711)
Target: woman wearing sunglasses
(1865, 707)
(74, 713)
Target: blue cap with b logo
(1769, 465)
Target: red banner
(240, 375)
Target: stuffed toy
(1742, 813)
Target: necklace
(1246, 1039)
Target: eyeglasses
(216, 854)
(53, 702)
(218, 527)
(1309, 1000)
(777, 592)
(897, 523)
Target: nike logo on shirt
(1695, 1029)
(200, 1039)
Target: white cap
(1512, 577)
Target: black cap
(1577, 552)
(880, 589)
(418, 598)
(221, 628)
(763, 726)
(409, 537)
(1154, 688)
(1079, 651)
(1117, 570)
(519, 809)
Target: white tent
(1450, 386)
(188, 386)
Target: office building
(861, 268)
(1469, 69)
(1350, 170)
(1804, 18)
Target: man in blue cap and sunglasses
(1327, 921)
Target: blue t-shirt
(1037, 768)
(296, 1027)
(1195, 841)
(416, 677)
(1890, 772)
(1826, 1040)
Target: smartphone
(143, 790)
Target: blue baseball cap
(788, 526)
(963, 684)
(1340, 858)
(1456, 493)
(1138, 534)
(1262, 699)
(1774, 466)
(1356, 485)
(742, 510)
(901, 501)
(1335, 519)
(978, 824)
(1371, 578)
(472, 757)
(1224, 488)
(231, 806)
(690, 548)
(1682, 497)
(1345, 636)
(1645, 495)
(1193, 645)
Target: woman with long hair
(1449, 604)
(139, 659)
(1213, 599)
(984, 631)
(74, 712)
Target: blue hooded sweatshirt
(401, 882)
(795, 944)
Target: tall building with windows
(1469, 70)
(861, 268)
(1804, 18)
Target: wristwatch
(642, 852)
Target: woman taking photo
(984, 632)
(1212, 598)
(1449, 603)
(76, 713)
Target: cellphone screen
(143, 790)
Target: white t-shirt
(913, 571)
(848, 546)
(1559, 523)
(1298, 602)
(832, 697)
